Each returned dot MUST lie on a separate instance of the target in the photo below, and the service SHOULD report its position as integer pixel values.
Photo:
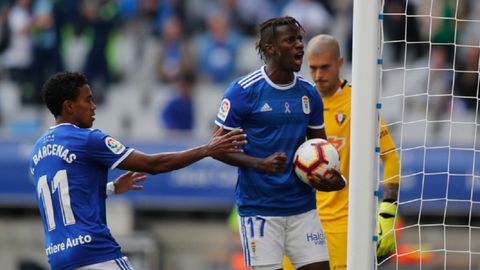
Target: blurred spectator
(165, 10)
(175, 53)
(440, 85)
(444, 28)
(467, 78)
(4, 30)
(128, 9)
(177, 115)
(102, 16)
(68, 17)
(394, 25)
(18, 54)
(198, 12)
(244, 16)
(217, 50)
(313, 16)
(46, 46)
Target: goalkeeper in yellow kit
(325, 62)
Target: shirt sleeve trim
(225, 127)
(110, 188)
(317, 127)
(114, 165)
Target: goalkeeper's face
(324, 69)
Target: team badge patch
(306, 105)
(340, 118)
(115, 146)
(224, 109)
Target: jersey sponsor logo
(316, 238)
(69, 243)
(306, 105)
(266, 108)
(340, 118)
(115, 146)
(224, 109)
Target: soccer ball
(315, 157)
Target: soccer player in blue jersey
(277, 109)
(69, 165)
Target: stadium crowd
(206, 38)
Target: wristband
(110, 188)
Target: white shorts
(116, 264)
(266, 239)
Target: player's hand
(275, 163)
(226, 143)
(334, 181)
(128, 181)
(385, 228)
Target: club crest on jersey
(115, 146)
(340, 118)
(306, 105)
(224, 109)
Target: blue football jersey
(70, 166)
(275, 119)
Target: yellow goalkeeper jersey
(333, 206)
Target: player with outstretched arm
(69, 165)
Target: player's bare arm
(274, 163)
(162, 162)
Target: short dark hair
(266, 32)
(60, 87)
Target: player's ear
(269, 49)
(67, 107)
(340, 61)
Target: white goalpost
(363, 133)
(416, 62)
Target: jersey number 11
(60, 184)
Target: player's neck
(279, 76)
(333, 90)
(62, 120)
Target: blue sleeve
(316, 119)
(106, 150)
(235, 106)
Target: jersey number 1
(60, 184)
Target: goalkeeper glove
(385, 229)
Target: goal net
(428, 91)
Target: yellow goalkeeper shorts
(337, 249)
